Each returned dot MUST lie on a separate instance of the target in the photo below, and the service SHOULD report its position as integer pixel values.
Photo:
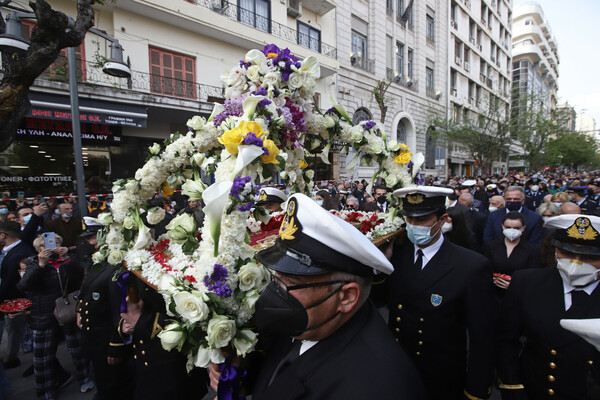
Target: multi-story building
(586, 124)
(479, 59)
(403, 42)
(535, 59)
(567, 117)
(177, 51)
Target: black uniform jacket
(10, 271)
(359, 361)
(99, 306)
(431, 311)
(587, 206)
(554, 363)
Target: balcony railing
(363, 63)
(142, 82)
(262, 23)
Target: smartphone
(49, 240)
(41, 200)
(20, 196)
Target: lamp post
(12, 41)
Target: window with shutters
(309, 37)
(172, 74)
(58, 71)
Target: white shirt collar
(588, 289)
(306, 345)
(429, 251)
(8, 248)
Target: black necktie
(419, 262)
(290, 357)
(578, 298)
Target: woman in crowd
(457, 230)
(510, 253)
(559, 198)
(548, 210)
(48, 276)
(324, 199)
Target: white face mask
(512, 234)
(577, 273)
(447, 227)
(557, 205)
(535, 188)
(545, 219)
(492, 208)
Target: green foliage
(574, 150)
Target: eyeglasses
(283, 289)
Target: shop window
(172, 74)
(58, 70)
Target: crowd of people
(475, 289)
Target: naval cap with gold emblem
(422, 200)
(312, 241)
(270, 195)
(91, 226)
(576, 233)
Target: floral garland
(266, 125)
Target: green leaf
(267, 172)
(281, 162)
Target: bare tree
(51, 33)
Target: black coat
(552, 357)
(476, 221)
(359, 361)
(45, 288)
(533, 231)
(587, 206)
(435, 337)
(10, 271)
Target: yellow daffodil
(166, 189)
(403, 158)
(273, 152)
(303, 165)
(232, 138)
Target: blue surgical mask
(513, 205)
(3, 211)
(27, 219)
(419, 235)
(57, 211)
(66, 216)
(319, 202)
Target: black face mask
(280, 313)
(381, 199)
(94, 203)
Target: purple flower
(238, 185)
(369, 124)
(244, 64)
(252, 139)
(231, 108)
(216, 282)
(263, 103)
(271, 48)
(261, 91)
(245, 207)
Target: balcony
(362, 63)
(141, 85)
(402, 80)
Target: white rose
(244, 342)
(105, 218)
(271, 80)
(190, 306)
(155, 215)
(392, 145)
(250, 276)
(196, 123)
(253, 73)
(310, 174)
(129, 222)
(295, 81)
(166, 284)
(116, 256)
(220, 331)
(391, 180)
(198, 158)
(154, 149)
(136, 261)
(251, 298)
(181, 227)
(329, 122)
(171, 336)
(205, 357)
(193, 189)
(356, 133)
(98, 257)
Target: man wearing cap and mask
(328, 340)
(553, 362)
(439, 295)
(577, 195)
(271, 198)
(468, 186)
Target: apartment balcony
(227, 22)
(320, 7)
(402, 80)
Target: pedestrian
(439, 295)
(537, 357)
(271, 199)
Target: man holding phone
(66, 226)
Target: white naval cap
(577, 233)
(271, 195)
(312, 241)
(422, 200)
(589, 329)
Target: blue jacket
(533, 222)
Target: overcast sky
(576, 26)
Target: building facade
(403, 43)
(479, 60)
(177, 51)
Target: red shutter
(172, 74)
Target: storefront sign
(35, 128)
(43, 178)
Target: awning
(53, 107)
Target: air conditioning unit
(453, 24)
(458, 61)
(294, 8)
(454, 92)
(467, 66)
(409, 82)
(397, 79)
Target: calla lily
(340, 108)
(310, 66)
(255, 57)
(352, 162)
(144, 237)
(215, 197)
(246, 154)
(418, 160)
(218, 109)
(249, 106)
(325, 154)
